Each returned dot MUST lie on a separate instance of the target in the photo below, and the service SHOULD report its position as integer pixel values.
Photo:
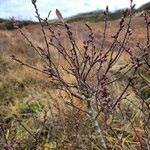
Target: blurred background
(23, 10)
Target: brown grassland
(27, 98)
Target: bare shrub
(99, 116)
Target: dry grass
(20, 86)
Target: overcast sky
(23, 9)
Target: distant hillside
(96, 16)
(93, 16)
(145, 7)
(2, 20)
(8, 24)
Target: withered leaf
(59, 15)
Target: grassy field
(27, 97)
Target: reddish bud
(125, 12)
(105, 13)
(107, 9)
(121, 21)
(133, 6)
(59, 15)
(33, 2)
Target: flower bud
(33, 1)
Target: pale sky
(23, 9)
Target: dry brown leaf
(59, 15)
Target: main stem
(98, 131)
